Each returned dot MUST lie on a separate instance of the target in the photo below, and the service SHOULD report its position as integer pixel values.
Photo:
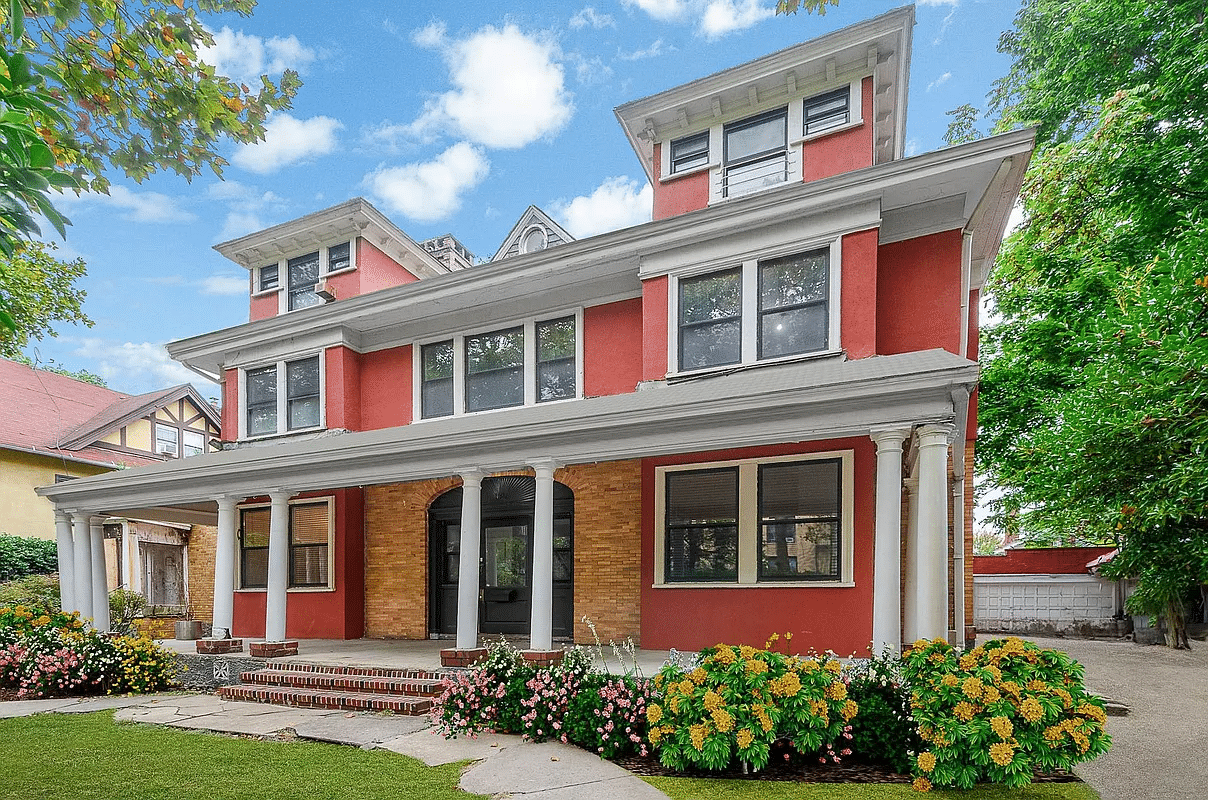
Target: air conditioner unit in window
(325, 290)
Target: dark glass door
(506, 586)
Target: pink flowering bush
(608, 715)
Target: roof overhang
(878, 47)
(803, 401)
(356, 217)
(927, 193)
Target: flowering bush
(999, 712)
(608, 715)
(740, 700)
(883, 732)
(485, 698)
(45, 653)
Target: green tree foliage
(808, 6)
(962, 128)
(1092, 409)
(38, 291)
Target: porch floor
(417, 653)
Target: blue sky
(450, 119)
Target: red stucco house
(754, 414)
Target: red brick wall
(1039, 561)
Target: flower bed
(47, 653)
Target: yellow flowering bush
(999, 712)
(739, 700)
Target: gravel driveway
(1160, 750)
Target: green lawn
(700, 789)
(78, 756)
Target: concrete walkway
(506, 766)
(1158, 749)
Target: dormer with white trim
(331, 255)
(821, 108)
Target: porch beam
(66, 554)
(541, 627)
(278, 566)
(468, 566)
(887, 550)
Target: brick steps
(402, 691)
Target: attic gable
(533, 232)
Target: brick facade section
(203, 544)
(608, 548)
(970, 632)
(396, 557)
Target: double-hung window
(689, 152)
(167, 440)
(825, 112)
(310, 537)
(295, 278)
(303, 273)
(756, 153)
(253, 547)
(762, 309)
(785, 519)
(533, 362)
(283, 397)
(194, 443)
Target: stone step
(378, 672)
(346, 682)
(323, 698)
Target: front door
(505, 559)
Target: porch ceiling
(802, 401)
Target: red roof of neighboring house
(1039, 561)
(38, 409)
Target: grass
(81, 756)
(706, 789)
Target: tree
(38, 290)
(1093, 420)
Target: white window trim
(282, 404)
(748, 523)
(459, 365)
(524, 236)
(155, 439)
(855, 114)
(185, 432)
(750, 306)
(282, 290)
(330, 500)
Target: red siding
(841, 152)
(859, 294)
(974, 349)
(612, 348)
(343, 388)
(654, 329)
(385, 388)
(230, 405)
(337, 614)
(378, 270)
(818, 617)
(263, 307)
(1039, 561)
(918, 294)
(674, 196)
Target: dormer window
(268, 278)
(756, 153)
(294, 279)
(826, 112)
(339, 257)
(689, 152)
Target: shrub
(485, 698)
(21, 556)
(999, 712)
(883, 732)
(47, 653)
(740, 700)
(32, 590)
(125, 606)
(607, 715)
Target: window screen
(495, 370)
(262, 400)
(701, 526)
(710, 320)
(302, 393)
(436, 383)
(800, 520)
(826, 111)
(556, 359)
(793, 294)
(308, 544)
(253, 547)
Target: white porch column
(468, 565)
(910, 611)
(278, 566)
(932, 567)
(224, 569)
(100, 580)
(541, 635)
(958, 560)
(83, 564)
(132, 563)
(887, 552)
(66, 553)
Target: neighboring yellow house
(54, 428)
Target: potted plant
(188, 628)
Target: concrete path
(1158, 749)
(507, 766)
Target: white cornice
(790, 403)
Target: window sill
(465, 414)
(726, 369)
(760, 585)
(341, 271)
(848, 126)
(262, 437)
(266, 292)
(291, 590)
(674, 176)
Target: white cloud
(134, 367)
(938, 2)
(288, 140)
(243, 57)
(431, 190)
(726, 16)
(940, 81)
(665, 10)
(655, 49)
(225, 284)
(616, 203)
(387, 137)
(246, 206)
(590, 70)
(508, 88)
(590, 17)
(912, 147)
(135, 206)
